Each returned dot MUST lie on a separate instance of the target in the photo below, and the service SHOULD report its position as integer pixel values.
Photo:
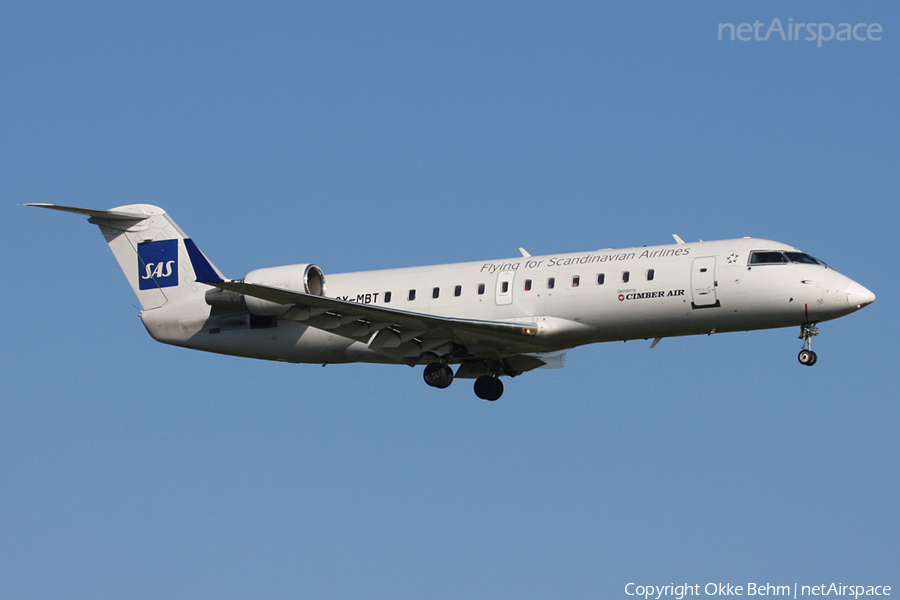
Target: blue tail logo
(158, 264)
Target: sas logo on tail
(158, 264)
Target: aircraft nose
(858, 296)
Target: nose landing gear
(807, 356)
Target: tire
(438, 375)
(807, 358)
(488, 388)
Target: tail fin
(151, 250)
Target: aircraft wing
(401, 335)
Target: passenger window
(551, 283)
(480, 289)
(625, 276)
(527, 285)
(412, 295)
(576, 280)
(601, 278)
(435, 292)
(504, 287)
(387, 297)
(650, 274)
(457, 290)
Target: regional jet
(474, 320)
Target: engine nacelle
(300, 278)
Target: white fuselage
(575, 299)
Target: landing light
(529, 330)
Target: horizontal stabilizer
(112, 215)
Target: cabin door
(503, 293)
(703, 283)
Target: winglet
(524, 252)
(205, 272)
(677, 239)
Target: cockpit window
(772, 257)
(799, 257)
(767, 258)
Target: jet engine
(306, 278)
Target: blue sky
(371, 135)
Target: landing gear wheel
(488, 388)
(807, 332)
(438, 375)
(807, 357)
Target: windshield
(799, 257)
(767, 258)
(777, 257)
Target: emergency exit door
(503, 293)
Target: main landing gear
(438, 375)
(487, 387)
(807, 356)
